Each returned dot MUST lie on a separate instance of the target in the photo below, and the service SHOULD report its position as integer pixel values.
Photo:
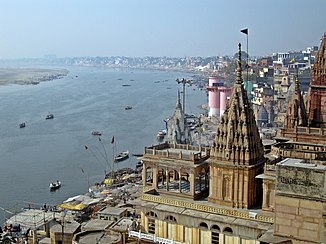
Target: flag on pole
(244, 31)
(112, 141)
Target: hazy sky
(138, 28)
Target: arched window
(170, 218)
(228, 230)
(203, 225)
(149, 175)
(151, 222)
(215, 228)
(151, 214)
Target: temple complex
(196, 194)
(232, 192)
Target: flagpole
(247, 58)
(245, 31)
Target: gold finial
(239, 76)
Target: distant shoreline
(29, 76)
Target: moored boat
(55, 185)
(121, 156)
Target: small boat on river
(96, 133)
(128, 107)
(55, 185)
(49, 116)
(22, 125)
(121, 156)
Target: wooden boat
(137, 154)
(55, 185)
(96, 133)
(121, 156)
(22, 125)
(49, 116)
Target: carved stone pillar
(192, 180)
(167, 178)
(144, 174)
(154, 175)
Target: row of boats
(48, 116)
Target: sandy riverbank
(26, 76)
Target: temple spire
(238, 140)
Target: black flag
(245, 31)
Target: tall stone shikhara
(316, 104)
(237, 155)
(296, 112)
(306, 120)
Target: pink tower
(217, 95)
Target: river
(88, 98)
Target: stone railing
(307, 130)
(210, 209)
(150, 237)
(162, 150)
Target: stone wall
(300, 201)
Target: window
(151, 222)
(151, 226)
(215, 234)
(203, 225)
(228, 230)
(171, 218)
(215, 237)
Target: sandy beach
(26, 76)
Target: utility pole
(184, 82)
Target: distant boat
(137, 154)
(126, 85)
(96, 133)
(128, 107)
(22, 125)
(55, 185)
(49, 116)
(121, 156)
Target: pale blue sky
(138, 28)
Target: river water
(85, 100)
